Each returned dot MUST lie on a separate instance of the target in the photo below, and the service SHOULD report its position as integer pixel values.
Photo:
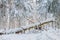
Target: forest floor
(51, 34)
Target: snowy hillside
(50, 34)
(29, 19)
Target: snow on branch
(28, 27)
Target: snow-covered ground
(8, 31)
(50, 34)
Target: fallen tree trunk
(22, 30)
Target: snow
(2, 31)
(13, 30)
(50, 34)
(10, 30)
(24, 27)
(32, 9)
(37, 23)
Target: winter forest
(29, 19)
